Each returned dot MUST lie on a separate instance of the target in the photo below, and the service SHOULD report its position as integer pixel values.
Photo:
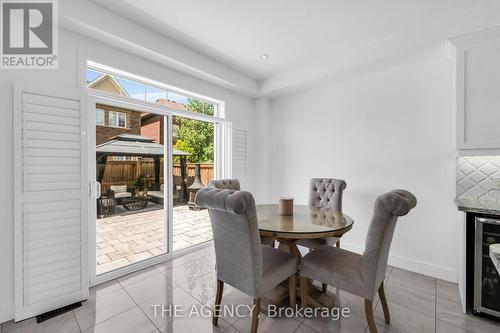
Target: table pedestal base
(279, 295)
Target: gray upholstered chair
(362, 275)
(241, 261)
(324, 193)
(234, 184)
(228, 184)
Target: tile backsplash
(478, 177)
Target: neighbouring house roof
(111, 80)
(165, 102)
(134, 145)
(172, 104)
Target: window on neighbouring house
(117, 119)
(99, 117)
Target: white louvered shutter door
(50, 228)
(240, 157)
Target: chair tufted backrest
(326, 193)
(388, 207)
(228, 184)
(236, 237)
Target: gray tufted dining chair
(228, 184)
(241, 261)
(234, 184)
(324, 193)
(362, 275)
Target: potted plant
(140, 186)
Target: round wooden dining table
(306, 223)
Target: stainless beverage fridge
(486, 275)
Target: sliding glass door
(130, 156)
(154, 149)
(193, 167)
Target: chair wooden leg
(293, 290)
(383, 301)
(304, 292)
(369, 316)
(255, 315)
(338, 243)
(218, 300)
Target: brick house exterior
(146, 124)
(153, 124)
(105, 132)
(152, 127)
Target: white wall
(262, 145)
(392, 127)
(239, 109)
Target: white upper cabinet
(478, 90)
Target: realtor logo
(29, 34)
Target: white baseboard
(417, 266)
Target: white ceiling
(297, 34)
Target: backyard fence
(127, 172)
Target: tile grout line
(77, 323)
(110, 292)
(117, 313)
(420, 291)
(174, 285)
(133, 300)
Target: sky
(141, 91)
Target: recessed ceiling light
(264, 57)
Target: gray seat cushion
(361, 275)
(335, 267)
(275, 265)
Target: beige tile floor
(418, 304)
(129, 237)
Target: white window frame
(89, 64)
(222, 161)
(117, 124)
(99, 110)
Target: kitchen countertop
(478, 206)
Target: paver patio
(129, 237)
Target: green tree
(194, 136)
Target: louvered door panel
(51, 265)
(240, 156)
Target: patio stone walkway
(129, 237)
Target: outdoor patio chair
(361, 275)
(119, 192)
(241, 261)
